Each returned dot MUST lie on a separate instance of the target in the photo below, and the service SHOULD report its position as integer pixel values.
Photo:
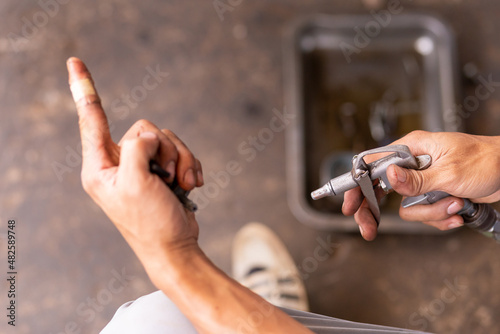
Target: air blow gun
(478, 216)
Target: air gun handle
(478, 216)
(483, 218)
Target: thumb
(136, 153)
(409, 182)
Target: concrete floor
(225, 78)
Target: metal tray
(357, 82)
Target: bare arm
(212, 301)
(161, 232)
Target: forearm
(212, 301)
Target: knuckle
(191, 160)
(431, 223)
(168, 132)
(416, 134)
(403, 213)
(417, 181)
(133, 190)
(441, 227)
(455, 170)
(419, 133)
(173, 137)
(437, 224)
(143, 123)
(129, 143)
(198, 165)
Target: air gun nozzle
(324, 191)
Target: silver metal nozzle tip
(324, 191)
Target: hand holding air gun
(465, 166)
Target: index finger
(94, 129)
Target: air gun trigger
(384, 183)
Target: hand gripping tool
(481, 217)
(181, 194)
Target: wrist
(169, 264)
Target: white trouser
(156, 314)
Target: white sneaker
(262, 263)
